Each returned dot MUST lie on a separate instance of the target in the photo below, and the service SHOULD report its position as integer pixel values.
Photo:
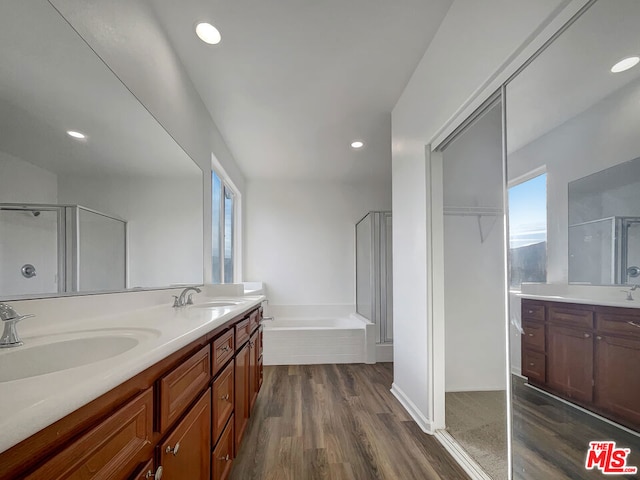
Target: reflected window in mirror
(528, 231)
(223, 230)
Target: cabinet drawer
(571, 316)
(255, 320)
(533, 336)
(534, 366)
(148, 472)
(222, 401)
(223, 349)
(222, 456)
(110, 450)
(180, 387)
(243, 332)
(532, 311)
(618, 324)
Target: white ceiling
(574, 73)
(293, 82)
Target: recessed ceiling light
(75, 134)
(208, 33)
(357, 144)
(625, 64)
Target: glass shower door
(632, 251)
(29, 251)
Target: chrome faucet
(182, 300)
(628, 292)
(9, 318)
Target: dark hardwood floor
(336, 422)
(551, 439)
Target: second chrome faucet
(182, 300)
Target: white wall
(165, 224)
(21, 181)
(300, 238)
(602, 136)
(475, 354)
(130, 40)
(475, 42)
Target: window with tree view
(528, 231)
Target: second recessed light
(625, 64)
(208, 33)
(357, 144)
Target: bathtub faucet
(269, 319)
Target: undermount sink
(217, 304)
(62, 352)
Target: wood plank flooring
(551, 439)
(336, 422)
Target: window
(222, 234)
(528, 231)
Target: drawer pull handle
(586, 335)
(634, 324)
(532, 364)
(224, 348)
(225, 397)
(155, 476)
(173, 450)
(530, 312)
(531, 334)
(225, 458)
(598, 337)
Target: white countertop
(30, 404)
(585, 301)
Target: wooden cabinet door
(186, 452)
(253, 370)
(241, 408)
(617, 378)
(570, 362)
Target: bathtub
(305, 341)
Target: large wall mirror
(119, 209)
(573, 142)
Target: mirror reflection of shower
(47, 249)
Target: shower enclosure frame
(68, 236)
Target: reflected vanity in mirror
(94, 194)
(575, 338)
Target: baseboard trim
(468, 464)
(422, 421)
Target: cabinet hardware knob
(155, 476)
(532, 364)
(225, 397)
(225, 458)
(173, 450)
(224, 348)
(586, 335)
(634, 324)
(531, 334)
(598, 337)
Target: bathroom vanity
(587, 354)
(182, 417)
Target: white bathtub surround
(318, 340)
(29, 404)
